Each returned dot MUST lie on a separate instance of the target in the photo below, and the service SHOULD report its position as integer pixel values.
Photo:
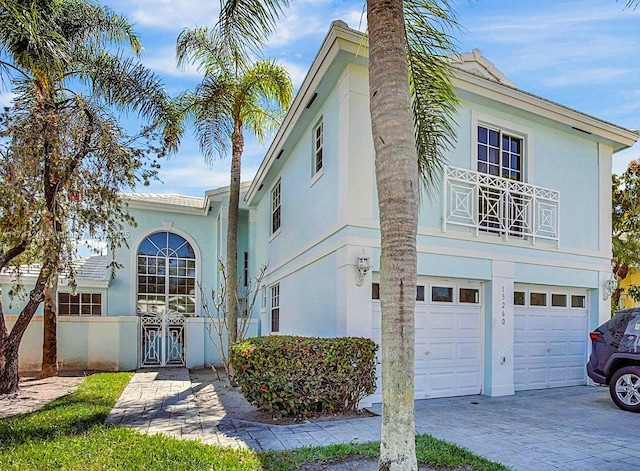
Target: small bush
(291, 376)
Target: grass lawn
(69, 433)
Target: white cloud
(621, 159)
(163, 61)
(172, 15)
(296, 71)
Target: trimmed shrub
(305, 376)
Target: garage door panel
(550, 346)
(460, 383)
(448, 349)
(469, 351)
(535, 349)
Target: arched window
(166, 274)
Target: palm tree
(49, 49)
(234, 95)
(411, 102)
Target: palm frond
(246, 24)
(127, 84)
(201, 47)
(267, 93)
(212, 106)
(429, 26)
(94, 26)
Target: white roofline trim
(546, 108)
(339, 37)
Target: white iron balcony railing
(491, 204)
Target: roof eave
(622, 138)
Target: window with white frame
(275, 208)
(275, 308)
(166, 274)
(245, 269)
(318, 146)
(80, 304)
(500, 154)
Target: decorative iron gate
(162, 339)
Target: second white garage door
(448, 355)
(550, 348)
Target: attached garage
(550, 338)
(448, 355)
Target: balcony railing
(490, 204)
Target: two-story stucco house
(514, 246)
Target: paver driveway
(574, 428)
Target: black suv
(615, 358)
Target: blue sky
(580, 53)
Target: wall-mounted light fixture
(364, 265)
(609, 287)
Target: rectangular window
(578, 301)
(245, 269)
(264, 297)
(537, 299)
(81, 304)
(375, 290)
(500, 155)
(559, 300)
(469, 295)
(275, 308)
(318, 146)
(275, 208)
(441, 294)
(518, 298)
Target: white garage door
(550, 342)
(448, 355)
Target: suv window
(614, 329)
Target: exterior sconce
(364, 265)
(609, 287)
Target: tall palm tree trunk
(237, 141)
(397, 181)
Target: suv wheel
(625, 388)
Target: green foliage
(634, 292)
(626, 219)
(64, 157)
(69, 434)
(235, 93)
(429, 26)
(290, 376)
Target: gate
(162, 339)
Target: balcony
(495, 205)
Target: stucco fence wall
(110, 343)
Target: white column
(499, 332)
(354, 302)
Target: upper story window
(499, 153)
(318, 139)
(275, 208)
(81, 304)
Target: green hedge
(291, 376)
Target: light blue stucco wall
(200, 230)
(556, 157)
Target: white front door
(550, 339)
